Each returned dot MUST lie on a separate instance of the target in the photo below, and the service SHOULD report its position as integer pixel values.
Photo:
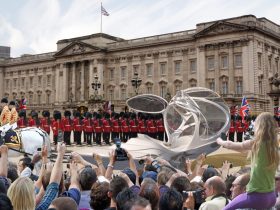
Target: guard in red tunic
(151, 129)
(231, 131)
(87, 127)
(106, 128)
(45, 122)
(133, 126)
(160, 127)
(141, 124)
(22, 122)
(57, 127)
(239, 130)
(97, 124)
(115, 126)
(31, 120)
(77, 128)
(125, 127)
(67, 127)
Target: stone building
(233, 57)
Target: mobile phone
(141, 161)
(39, 151)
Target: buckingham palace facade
(235, 57)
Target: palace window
(193, 65)
(259, 60)
(177, 65)
(163, 91)
(178, 86)
(123, 94)
(15, 83)
(261, 85)
(149, 69)
(111, 76)
(224, 87)
(239, 87)
(193, 83)
(163, 68)
(210, 63)
(135, 69)
(48, 80)
(39, 98)
(212, 85)
(111, 94)
(237, 60)
(123, 73)
(149, 88)
(224, 61)
(39, 81)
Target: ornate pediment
(221, 27)
(78, 47)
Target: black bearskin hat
(34, 114)
(12, 103)
(88, 115)
(57, 115)
(77, 114)
(67, 113)
(46, 113)
(98, 116)
(4, 100)
(22, 113)
(133, 115)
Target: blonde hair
(21, 194)
(266, 133)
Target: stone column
(100, 70)
(217, 70)
(82, 80)
(231, 70)
(73, 81)
(65, 83)
(91, 76)
(1, 83)
(201, 67)
(169, 73)
(185, 68)
(57, 86)
(156, 74)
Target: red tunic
(106, 126)
(159, 124)
(141, 126)
(21, 122)
(66, 124)
(115, 125)
(125, 128)
(87, 125)
(133, 126)
(97, 126)
(77, 125)
(45, 125)
(32, 123)
(151, 126)
(56, 126)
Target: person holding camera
(260, 193)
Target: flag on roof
(104, 12)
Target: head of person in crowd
(150, 191)
(208, 173)
(266, 132)
(181, 184)
(214, 186)
(12, 171)
(164, 175)
(171, 200)
(63, 203)
(21, 194)
(87, 178)
(239, 185)
(3, 188)
(4, 102)
(24, 164)
(46, 180)
(117, 184)
(99, 199)
(5, 203)
(12, 104)
(123, 197)
(138, 204)
(148, 174)
(229, 180)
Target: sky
(35, 26)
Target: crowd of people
(37, 183)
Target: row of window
(272, 64)
(178, 66)
(20, 83)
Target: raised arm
(57, 169)
(237, 146)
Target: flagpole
(101, 18)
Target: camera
(249, 133)
(141, 161)
(224, 136)
(197, 194)
(120, 153)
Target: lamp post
(136, 82)
(96, 85)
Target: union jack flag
(244, 109)
(104, 12)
